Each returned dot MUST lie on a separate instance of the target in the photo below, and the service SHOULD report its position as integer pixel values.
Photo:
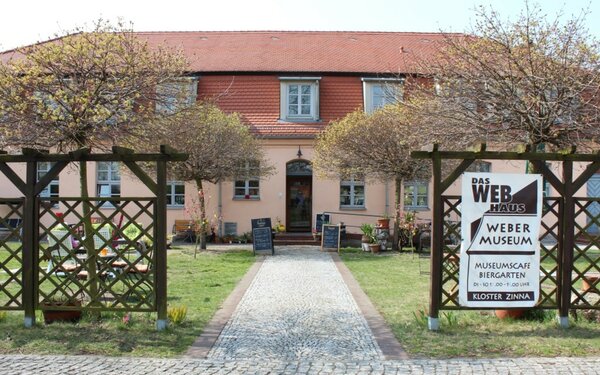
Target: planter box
(50, 316)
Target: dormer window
(176, 95)
(299, 99)
(379, 92)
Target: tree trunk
(203, 221)
(397, 210)
(88, 240)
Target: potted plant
(383, 222)
(374, 245)
(509, 313)
(367, 232)
(61, 307)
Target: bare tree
(220, 148)
(533, 81)
(375, 146)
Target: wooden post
(29, 246)
(160, 243)
(567, 234)
(437, 235)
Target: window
(352, 193)
(248, 188)
(175, 95)
(480, 166)
(51, 190)
(299, 99)
(175, 194)
(415, 195)
(379, 92)
(108, 179)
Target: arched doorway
(298, 196)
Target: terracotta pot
(512, 313)
(51, 316)
(365, 239)
(383, 223)
(374, 248)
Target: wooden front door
(299, 203)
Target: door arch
(298, 195)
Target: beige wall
(272, 201)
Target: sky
(24, 22)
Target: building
(287, 86)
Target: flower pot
(374, 247)
(383, 223)
(72, 316)
(512, 313)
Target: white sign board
(500, 250)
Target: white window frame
(370, 83)
(285, 83)
(44, 167)
(480, 166)
(413, 204)
(353, 182)
(244, 185)
(110, 182)
(172, 194)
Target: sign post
(330, 240)
(500, 250)
(262, 238)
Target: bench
(7, 227)
(185, 229)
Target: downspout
(387, 199)
(220, 209)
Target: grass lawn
(201, 284)
(401, 294)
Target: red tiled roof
(291, 51)
(295, 51)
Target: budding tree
(220, 148)
(534, 80)
(87, 89)
(375, 146)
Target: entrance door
(593, 191)
(299, 196)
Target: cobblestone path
(297, 307)
(92, 365)
(297, 317)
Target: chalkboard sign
(262, 238)
(331, 237)
(321, 219)
(261, 223)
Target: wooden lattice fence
(568, 249)
(49, 263)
